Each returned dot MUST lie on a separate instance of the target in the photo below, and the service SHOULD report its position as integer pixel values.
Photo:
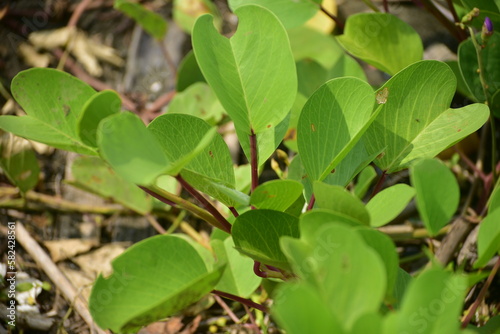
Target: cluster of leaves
(279, 81)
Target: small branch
(339, 23)
(208, 206)
(371, 5)
(244, 301)
(233, 211)
(154, 223)
(482, 294)
(171, 199)
(450, 26)
(56, 276)
(168, 58)
(379, 184)
(254, 160)
(79, 9)
(452, 10)
(226, 308)
(40, 202)
(311, 202)
(386, 6)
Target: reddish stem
(311, 202)
(244, 301)
(379, 184)
(208, 206)
(257, 271)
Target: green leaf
(382, 40)
(309, 44)
(154, 24)
(97, 108)
(389, 203)
(315, 318)
(415, 121)
(331, 123)
(151, 280)
(185, 13)
(53, 101)
(488, 238)
(206, 161)
(341, 201)
(432, 304)
(438, 193)
(490, 56)
(94, 175)
(131, 149)
(256, 233)
(276, 195)
(491, 327)
(313, 220)
(365, 179)
(403, 279)
(197, 100)
(494, 200)
(253, 73)
(348, 275)
(238, 277)
(19, 163)
(291, 13)
(386, 249)
(188, 72)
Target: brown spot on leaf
(313, 128)
(24, 175)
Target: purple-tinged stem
(482, 293)
(244, 301)
(379, 184)
(233, 211)
(386, 6)
(226, 308)
(257, 271)
(311, 202)
(158, 196)
(337, 21)
(208, 206)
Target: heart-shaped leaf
(438, 193)
(238, 278)
(208, 166)
(488, 238)
(382, 40)
(332, 122)
(54, 101)
(97, 108)
(253, 73)
(131, 149)
(173, 272)
(276, 195)
(256, 233)
(387, 204)
(415, 121)
(291, 13)
(94, 175)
